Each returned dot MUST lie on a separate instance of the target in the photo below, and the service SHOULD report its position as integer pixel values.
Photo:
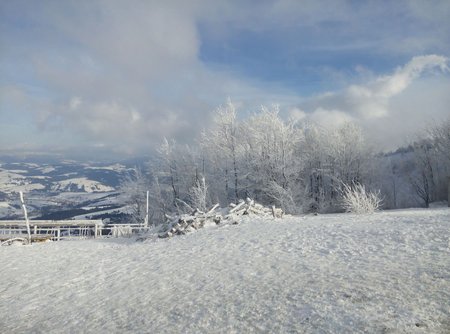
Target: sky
(112, 78)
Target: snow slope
(382, 273)
(81, 184)
(12, 181)
(7, 210)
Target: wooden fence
(51, 229)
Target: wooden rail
(58, 229)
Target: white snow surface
(81, 184)
(7, 210)
(47, 169)
(11, 181)
(115, 167)
(383, 273)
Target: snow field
(82, 184)
(383, 273)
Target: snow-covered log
(182, 224)
(237, 207)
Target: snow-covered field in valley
(383, 273)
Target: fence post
(25, 213)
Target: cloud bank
(117, 77)
(383, 105)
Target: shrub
(357, 199)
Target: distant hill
(59, 189)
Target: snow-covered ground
(382, 273)
(81, 184)
(7, 209)
(12, 181)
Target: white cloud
(388, 86)
(111, 67)
(74, 103)
(330, 118)
(383, 106)
(372, 100)
(296, 114)
(123, 75)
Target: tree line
(298, 166)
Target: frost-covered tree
(160, 206)
(270, 160)
(440, 135)
(298, 166)
(169, 166)
(388, 177)
(313, 151)
(333, 157)
(133, 190)
(199, 195)
(178, 170)
(349, 153)
(422, 178)
(221, 144)
(266, 158)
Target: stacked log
(250, 207)
(183, 224)
(180, 225)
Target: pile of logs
(183, 224)
(249, 207)
(186, 223)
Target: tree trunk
(226, 184)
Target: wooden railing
(54, 229)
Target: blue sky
(115, 77)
